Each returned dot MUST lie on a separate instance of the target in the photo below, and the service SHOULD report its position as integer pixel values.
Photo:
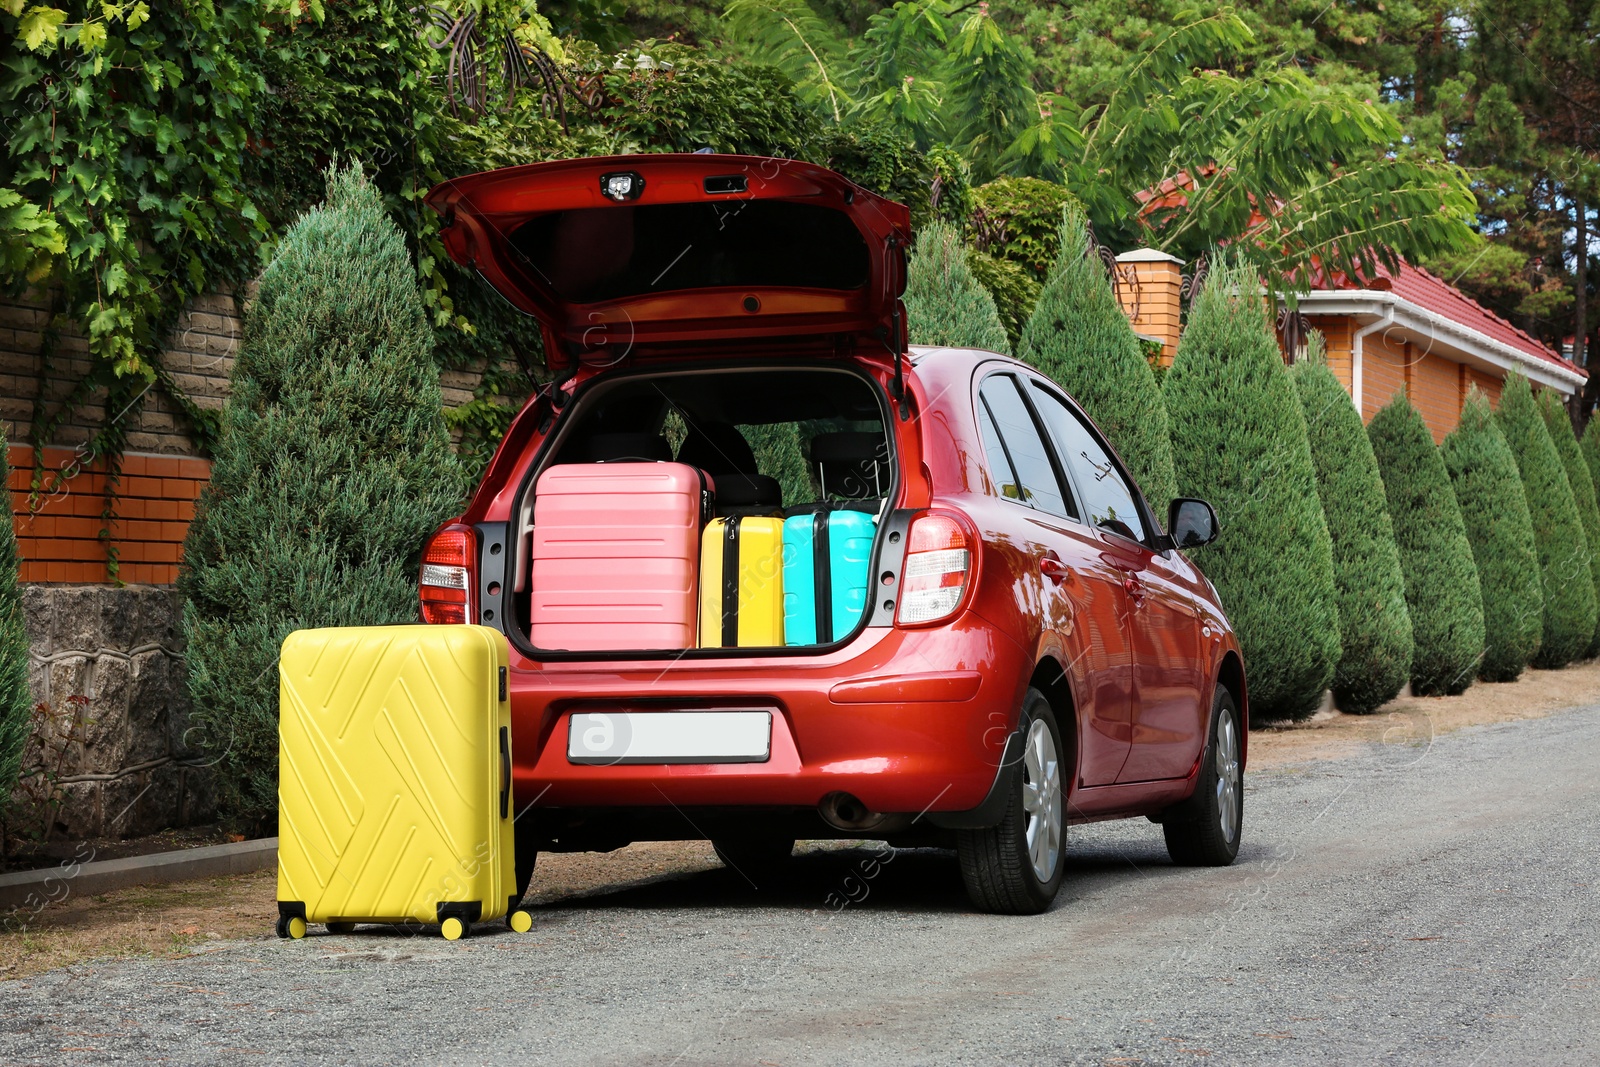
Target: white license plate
(669, 737)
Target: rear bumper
(906, 721)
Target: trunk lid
(667, 253)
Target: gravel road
(1423, 901)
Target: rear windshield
(594, 254)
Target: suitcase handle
(505, 772)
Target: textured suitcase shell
(394, 775)
(616, 550)
(757, 583)
(850, 538)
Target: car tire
(1204, 831)
(1016, 867)
(761, 861)
(525, 834)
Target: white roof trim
(1430, 324)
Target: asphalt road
(1426, 901)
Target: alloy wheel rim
(1227, 775)
(1041, 800)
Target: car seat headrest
(717, 448)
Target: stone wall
(113, 751)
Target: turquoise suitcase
(827, 556)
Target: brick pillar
(1148, 284)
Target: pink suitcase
(616, 555)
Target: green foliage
(1022, 221)
(1442, 591)
(1079, 336)
(1569, 600)
(1374, 623)
(991, 100)
(789, 35)
(1488, 488)
(1589, 445)
(1011, 286)
(16, 703)
(333, 466)
(780, 452)
(945, 305)
(1239, 441)
(1559, 423)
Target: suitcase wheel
(291, 926)
(520, 921)
(341, 927)
(455, 929)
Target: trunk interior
(705, 512)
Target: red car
(1034, 651)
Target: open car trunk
(711, 511)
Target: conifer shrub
(1488, 489)
(1079, 336)
(1239, 442)
(1589, 445)
(1014, 288)
(1569, 599)
(16, 702)
(1374, 623)
(1442, 592)
(945, 304)
(332, 467)
(1559, 423)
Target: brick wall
(1383, 372)
(1436, 391)
(1148, 284)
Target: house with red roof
(1397, 331)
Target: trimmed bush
(1569, 600)
(1013, 287)
(945, 305)
(1239, 441)
(1374, 623)
(1024, 217)
(1079, 336)
(332, 467)
(1559, 423)
(16, 702)
(1442, 591)
(1488, 489)
(1589, 445)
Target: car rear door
(1169, 717)
(1085, 602)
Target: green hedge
(1559, 423)
(1374, 624)
(1027, 211)
(16, 702)
(1013, 287)
(945, 305)
(1239, 441)
(1483, 473)
(332, 468)
(1442, 591)
(1079, 336)
(1589, 445)
(1569, 598)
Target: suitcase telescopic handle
(505, 772)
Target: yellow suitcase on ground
(394, 779)
(741, 582)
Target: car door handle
(1055, 570)
(1135, 589)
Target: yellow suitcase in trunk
(394, 779)
(741, 582)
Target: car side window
(1001, 472)
(1036, 482)
(1107, 497)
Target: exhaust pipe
(844, 812)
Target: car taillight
(938, 561)
(445, 583)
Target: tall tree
(1080, 337)
(1559, 422)
(945, 305)
(1239, 441)
(1374, 623)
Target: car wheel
(527, 853)
(1205, 830)
(1016, 867)
(760, 860)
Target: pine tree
(1080, 337)
(1569, 600)
(1374, 623)
(1494, 508)
(16, 702)
(1239, 441)
(332, 467)
(945, 305)
(1442, 591)
(1559, 423)
(1589, 445)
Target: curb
(35, 889)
